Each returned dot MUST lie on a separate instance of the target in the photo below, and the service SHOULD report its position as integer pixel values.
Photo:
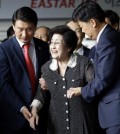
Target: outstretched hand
(73, 92)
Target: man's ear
(93, 22)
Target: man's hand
(43, 84)
(73, 92)
(34, 119)
(26, 113)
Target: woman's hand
(73, 92)
(33, 121)
(43, 84)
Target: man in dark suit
(105, 86)
(80, 49)
(112, 18)
(15, 85)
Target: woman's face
(58, 48)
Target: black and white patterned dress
(69, 116)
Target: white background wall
(50, 12)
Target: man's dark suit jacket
(106, 84)
(15, 88)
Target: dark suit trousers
(113, 130)
(25, 130)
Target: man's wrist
(22, 108)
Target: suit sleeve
(8, 94)
(39, 95)
(42, 95)
(106, 71)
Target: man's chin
(25, 40)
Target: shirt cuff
(22, 108)
(36, 103)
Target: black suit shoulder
(40, 42)
(42, 49)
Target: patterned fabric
(69, 116)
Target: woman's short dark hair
(88, 10)
(69, 36)
(25, 14)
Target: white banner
(51, 9)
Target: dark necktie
(30, 67)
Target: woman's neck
(63, 66)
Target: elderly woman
(64, 72)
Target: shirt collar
(98, 37)
(71, 63)
(21, 43)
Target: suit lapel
(17, 50)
